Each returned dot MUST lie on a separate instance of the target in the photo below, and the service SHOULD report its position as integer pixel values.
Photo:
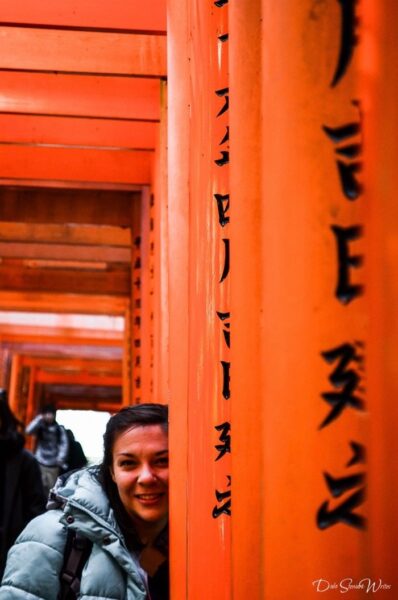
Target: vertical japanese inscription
(221, 203)
(346, 490)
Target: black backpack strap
(77, 551)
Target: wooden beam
(65, 252)
(65, 234)
(70, 403)
(75, 364)
(134, 15)
(76, 95)
(28, 129)
(66, 206)
(82, 52)
(133, 167)
(64, 336)
(16, 275)
(63, 303)
(54, 377)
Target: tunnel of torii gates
(174, 174)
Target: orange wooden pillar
(127, 359)
(379, 54)
(313, 297)
(199, 269)
(146, 284)
(160, 266)
(247, 291)
(300, 415)
(13, 394)
(135, 325)
(178, 259)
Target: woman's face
(140, 470)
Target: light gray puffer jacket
(35, 561)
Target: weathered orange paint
(83, 52)
(133, 15)
(197, 252)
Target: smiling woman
(121, 508)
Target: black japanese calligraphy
(350, 152)
(343, 513)
(224, 160)
(225, 439)
(345, 379)
(223, 93)
(345, 290)
(348, 39)
(225, 271)
(222, 207)
(224, 501)
(226, 392)
(224, 317)
(358, 454)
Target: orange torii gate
(263, 288)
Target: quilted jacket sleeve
(35, 561)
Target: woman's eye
(127, 463)
(163, 462)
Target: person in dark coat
(76, 458)
(22, 495)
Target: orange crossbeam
(65, 164)
(83, 52)
(85, 404)
(60, 335)
(74, 364)
(63, 252)
(90, 235)
(133, 15)
(17, 275)
(76, 95)
(28, 129)
(77, 379)
(85, 304)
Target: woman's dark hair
(8, 421)
(139, 415)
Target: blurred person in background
(51, 445)
(22, 495)
(76, 458)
